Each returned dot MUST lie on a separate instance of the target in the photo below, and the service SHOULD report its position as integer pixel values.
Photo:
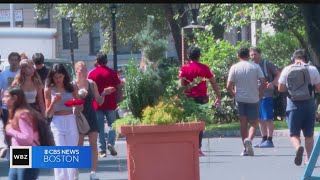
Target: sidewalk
(236, 133)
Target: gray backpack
(298, 83)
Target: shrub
(279, 47)
(219, 55)
(141, 89)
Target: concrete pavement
(222, 161)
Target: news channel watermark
(50, 157)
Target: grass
(278, 125)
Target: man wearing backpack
(300, 80)
(271, 74)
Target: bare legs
(245, 133)
(93, 143)
(266, 127)
(296, 142)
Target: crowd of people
(252, 82)
(31, 91)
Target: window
(45, 21)
(127, 48)
(66, 35)
(94, 36)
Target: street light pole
(113, 9)
(187, 31)
(71, 39)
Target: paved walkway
(222, 161)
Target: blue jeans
(23, 174)
(111, 117)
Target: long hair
(21, 105)
(20, 78)
(59, 68)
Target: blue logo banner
(61, 156)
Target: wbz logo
(20, 156)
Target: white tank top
(31, 96)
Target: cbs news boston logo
(50, 157)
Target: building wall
(83, 50)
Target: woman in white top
(31, 84)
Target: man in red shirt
(105, 77)
(192, 70)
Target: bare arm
(49, 104)
(216, 90)
(262, 86)
(99, 98)
(180, 82)
(276, 79)
(230, 88)
(78, 108)
(40, 99)
(317, 87)
(282, 87)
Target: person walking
(22, 128)
(271, 74)
(59, 89)
(89, 93)
(41, 69)
(194, 69)
(31, 84)
(6, 78)
(105, 77)
(300, 80)
(242, 84)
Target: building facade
(85, 46)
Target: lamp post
(113, 9)
(70, 18)
(187, 31)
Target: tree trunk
(311, 14)
(174, 26)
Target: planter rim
(178, 127)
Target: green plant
(141, 89)
(162, 113)
(278, 47)
(219, 55)
(152, 44)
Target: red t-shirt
(105, 77)
(192, 70)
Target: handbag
(82, 124)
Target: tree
(300, 20)
(311, 14)
(130, 19)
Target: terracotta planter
(163, 152)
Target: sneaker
(102, 154)
(266, 144)
(93, 176)
(3, 152)
(201, 153)
(298, 157)
(244, 153)
(258, 144)
(248, 145)
(112, 150)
